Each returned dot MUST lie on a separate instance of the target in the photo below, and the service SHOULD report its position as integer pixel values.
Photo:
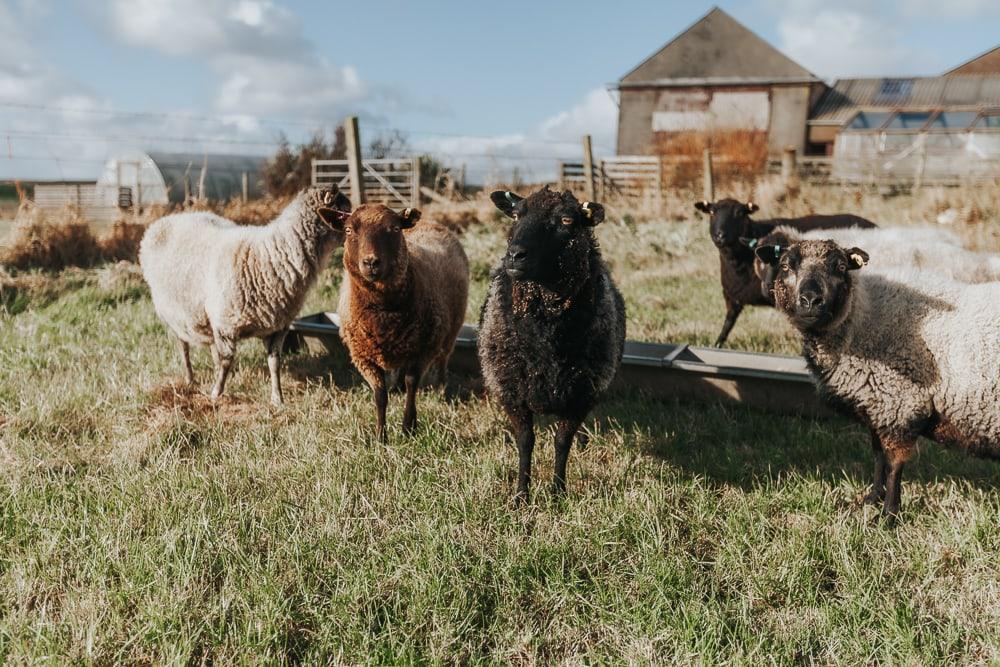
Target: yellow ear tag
(406, 213)
(327, 197)
(587, 211)
(858, 259)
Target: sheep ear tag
(587, 211)
(409, 216)
(858, 260)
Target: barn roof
(984, 63)
(223, 173)
(840, 102)
(716, 50)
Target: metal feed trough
(763, 381)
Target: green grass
(139, 523)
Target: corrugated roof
(839, 103)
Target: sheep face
(729, 220)
(552, 235)
(812, 285)
(374, 247)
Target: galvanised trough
(768, 382)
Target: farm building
(715, 78)
(135, 180)
(719, 85)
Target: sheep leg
(412, 380)
(186, 358)
(376, 378)
(565, 431)
(733, 311)
(523, 426)
(877, 492)
(222, 353)
(897, 453)
(274, 343)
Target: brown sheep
(402, 302)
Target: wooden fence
(630, 176)
(390, 181)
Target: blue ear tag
(510, 197)
(753, 243)
(777, 250)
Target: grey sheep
(910, 354)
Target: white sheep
(910, 353)
(214, 282)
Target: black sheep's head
(813, 281)
(552, 236)
(329, 204)
(729, 220)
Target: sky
(492, 85)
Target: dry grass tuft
(35, 242)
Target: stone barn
(719, 82)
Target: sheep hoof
(872, 498)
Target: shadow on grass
(739, 446)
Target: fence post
(918, 181)
(789, 171)
(246, 187)
(201, 179)
(708, 191)
(415, 183)
(562, 181)
(355, 174)
(588, 168)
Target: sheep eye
(348, 230)
(841, 267)
(395, 228)
(566, 220)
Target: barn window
(954, 120)
(909, 120)
(991, 120)
(868, 120)
(893, 91)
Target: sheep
(909, 353)
(552, 328)
(402, 302)
(729, 222)
(924, 248)
(214, 282)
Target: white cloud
(846, 42)
(952, 8)
(534, 154)
(258, 49)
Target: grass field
(139, 523)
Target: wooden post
(708, 191)
(415, 182)
(789, 170)
(137, 205)
(588, 168)
(354, 168)
(246, 187)
(562, 182)
(461, 186)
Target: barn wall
(789, 113)
(645, 111)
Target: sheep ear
(752, 208)
(769, 254)
(703, 206)
(409, 216)
(333, 217)
(593, 213)
(857, 259)
(341, 201)
(506, 201)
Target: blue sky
(487, 83)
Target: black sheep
(552, 329)
(730, 221)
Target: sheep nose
(810, 300)
(372, 263)
(517, 253)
